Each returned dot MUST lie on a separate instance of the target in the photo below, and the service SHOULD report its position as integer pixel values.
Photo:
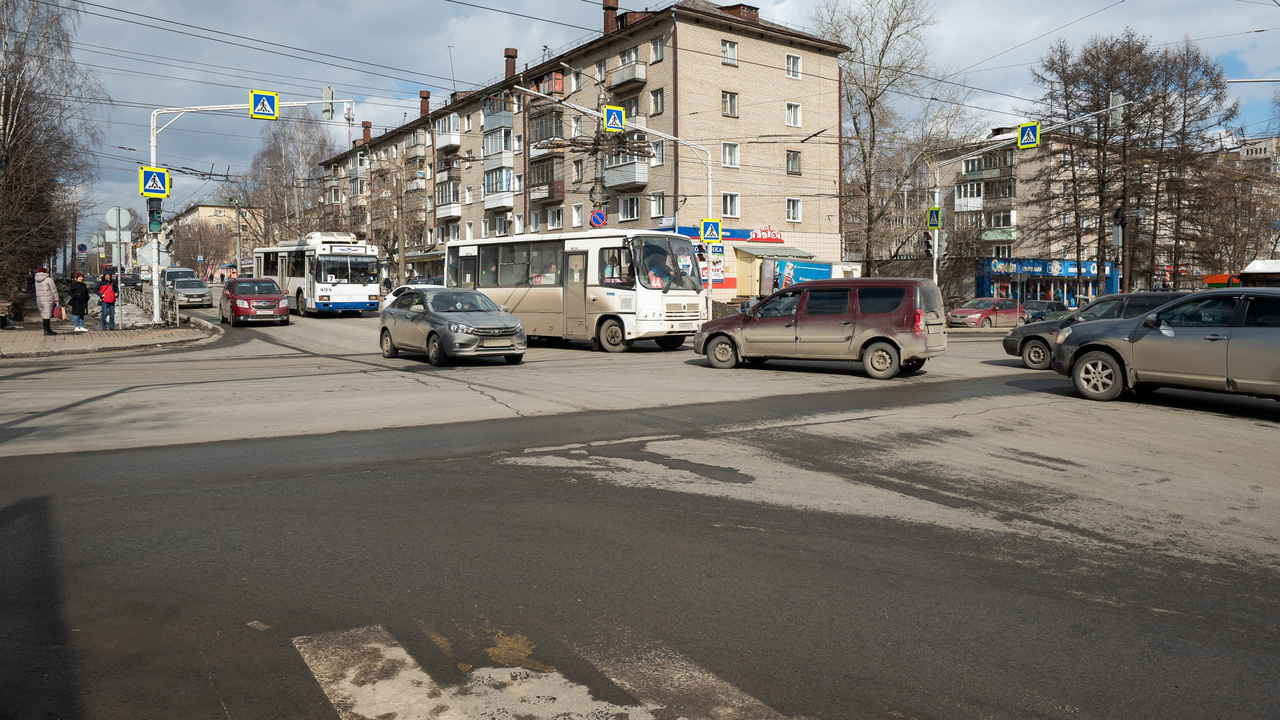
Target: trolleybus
(613, 287)
(323, 272)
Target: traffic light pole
(179, 112)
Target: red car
(988, 312)
(253, 300)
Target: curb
(215, 333)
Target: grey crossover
(1034, 341)
(450, 322)
(1224, 340)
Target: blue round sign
(81, 247)
(598, 218)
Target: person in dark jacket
(79, 298)
(107, 291)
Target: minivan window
(827, 302)
(880, 299)
(783, 305)
(1102, 310)
(1202, 312)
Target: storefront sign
(716, 260)
(766, 233)
(1040, 268)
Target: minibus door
(575, 295)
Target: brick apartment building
(760, 97)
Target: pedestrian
(107, 300)
(386, 283)
(46, 297)
(79, 301)
(222, 277)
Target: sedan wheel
(389, 349)
(435, 351)
(1098, 376)
(1035, 355)
(721, 353)
(986, 322)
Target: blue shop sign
(1038, 268)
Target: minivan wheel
(912, 366)
(1098, 376)
(389, 349)
(881, 361)
(721, 353)
(1035, 355)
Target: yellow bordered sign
(1028, 135)
(264, 105)
(154, 182)
(710, 231)
(615, 119)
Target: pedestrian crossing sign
(264, 105)
(935, 218)
(154, 182)
(710, 231)
(615, 119)
(1028, 136)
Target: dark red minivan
(253, 300)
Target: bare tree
(200, 239)
(897, 113)
(46, 133)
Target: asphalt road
(285, 524)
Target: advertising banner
(791, 272)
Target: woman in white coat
(46, 298)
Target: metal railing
(168, 309)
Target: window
(518, 144)
(468, 195)
(600, 69)
(517, 184)
(535, 221)
(729, 204)
(628, 208)
(880, 299)
(545, 263)
(1262, 313)
(793, 114)
(628, 57)
(217, 226)
(972, 165)
(484, 228)
(470, 235)
(546, 126)
(659, 153)
(575, 126)
(447, 193)
(555, 218)
(728, 52)
(1066, 219)
(1001, 219)
(497, 141)
(519, 224)
(729, 154)
(615, 266)
(489, 265)
(575, 81)
(781, 305)
(658, 49)
(969, 190)
(793, 162)
(657, 205)
(631, 108)
(795, 210)
(577, 215)
(217, 213)
(729, 104)
(466, 122)
(513, 264)
(999, 188)
(497, 181)
(577, 170)
(1102, 310)
(1003, 251)
(656, 102)
(793, 66)
(543, 171)
(827, 302)
(1203, 312)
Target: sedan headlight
(243, 303)
(460, 328)
(1063, 333)
(519, 327)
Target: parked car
(170, 274)
(1034, 341)
(133, 280)
(1225, 340)
(891, 325)
(1041, 310)
(190, 293)
(449, 322)
(987, 312)
(397, 292)
(253, 301)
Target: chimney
(424, 103)
(510, 55)
(610, 16)
(368, 129)
(750, 13)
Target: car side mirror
(504, 308)
(1151, 321)
(417, 308)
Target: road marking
(597, 443)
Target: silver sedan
(450, 322)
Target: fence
(168, 308)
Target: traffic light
(155, 216)
(928, 245)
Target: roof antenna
(451, 74)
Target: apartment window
(728, 52)
(466, 122)
(659, 153)
(519, 225)
(501, 227)
(729, 104)
(729, 154)
(656, 102)
(1002, 251)
(795, 209)
(628, 208)
(628, 57)
(631, 108)
(657, 205)
(1001, 219)
(446, 193)
(555, 218)
(497, 141)
(547, 126)
(577, 215)
(544, 171)
(729, 204)
(217, 213)
(658, 46)
(517, 184)
(793, 66)
(575, 126)
(470, 233)
(217, 226)
(600, 69)
(793, 162)
(968, 190)
(497, 181)
(467, 195)
(1000, 188)
(535, 221)
(973, 165)
(1065, 218)
(518, 143)
(793, 114)
(575, 81)
(577, 170)
(484, 228)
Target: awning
(419, 257)
(770, 250)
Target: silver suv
(1220, 340)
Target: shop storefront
(1028, 279)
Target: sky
(380, 53)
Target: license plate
(686, 326)
(266, 312)
(495, 342)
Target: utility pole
(238, 226)
(398, 208)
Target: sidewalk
(134, 332)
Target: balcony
(448, 140)
(452, 211)
(628, 75)
(332, 182)
(499, 201)
(501, 159)
(1004, 203)
(448, 173)
(627, 175)
(547, 192)
(416, 184)
(416, 151)
(497, 120)
(537, 152)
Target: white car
(391, 296)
